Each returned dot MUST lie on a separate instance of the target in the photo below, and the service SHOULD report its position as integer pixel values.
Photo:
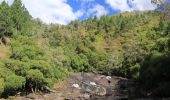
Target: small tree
(35, 80)
(13, 84)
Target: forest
(35, 55)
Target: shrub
(35, 79)
(1, 86)
(13, 84)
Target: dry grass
(4, 52)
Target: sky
(65, 11)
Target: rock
(76, 86)
(48, 89)
(86, 96)
(108, 77)
(92, 83)
(94, 89)
(30, 96)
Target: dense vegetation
(133, 45)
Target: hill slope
(133, 45)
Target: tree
(20, 16)
(13, 83)
(5, 22)
(5, 19)
(158, 2)
(163, 5)
(35, 80)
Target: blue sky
(64, 11)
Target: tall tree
(5, 19)
(162, 4)
(20, 16)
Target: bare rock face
(86, 96)
(94, 89)
(87, 86)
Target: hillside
(34, 55)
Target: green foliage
(134, 45)
(20, 68)
(14, 18)
(157, 64)
(5, 19)
(118, 44)
(29, 67)
(14, 83)
(1, 86)
(79, 63)
(35, 77)
(26, 52)
(5, 72)
(56, 39)
(20, 16)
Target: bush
(35, 79)
(20, 68)
(155, 69)
(13, 84)
(5, 72)
(1, 86)
(45, 67)
(26, 52)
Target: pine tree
(5, 19)
(20, 16)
